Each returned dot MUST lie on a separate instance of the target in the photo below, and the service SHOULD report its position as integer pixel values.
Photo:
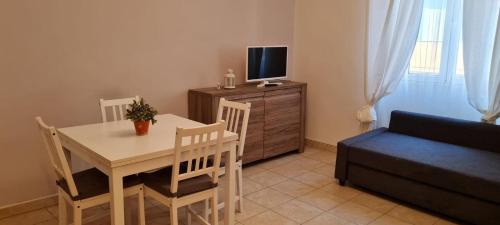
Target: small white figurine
(229, 79)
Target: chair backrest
(56, 155)
(195, 146)
(232, 112)
(119, 105)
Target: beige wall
(58, 57)
(330, 57)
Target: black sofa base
(449, 203)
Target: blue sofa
(445, 165)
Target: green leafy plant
(140, 111)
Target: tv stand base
(268, 84)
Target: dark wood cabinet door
(277, 116)
(254, 143)
(282, 122)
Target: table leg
(116, 191)
(230, 185)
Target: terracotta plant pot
(141, 127)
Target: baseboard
(27, 206)
(320, 145)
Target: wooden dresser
(277, 116)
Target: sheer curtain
(393, 53)
(434, 82)
(481, 56)
(441, 99)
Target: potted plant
(141, 113)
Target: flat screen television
(266, 63)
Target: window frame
(449, 50)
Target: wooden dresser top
(247, 89)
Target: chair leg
(215, 208)
(174, 220)
(77, 214)
(140, 207)
(239, 184)
(63, 211)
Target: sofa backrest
(454, 131)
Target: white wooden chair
(192, 178)
(117, 105)
(84, 189)
(235, 114)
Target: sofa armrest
(343, 151)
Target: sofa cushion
(452, 167)
(454, 131)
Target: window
(438, 50)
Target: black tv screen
(266, 63)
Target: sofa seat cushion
(92, 182)
(456, 168)
(160, 181)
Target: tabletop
(116, 142)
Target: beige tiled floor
(293, 189)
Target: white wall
(58, 57)
(330, 56)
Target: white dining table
(115, 149)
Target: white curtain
(429, 97)
(434, 83)
(393, 53)
(482, 56)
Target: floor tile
(269, 218)
(328, 219)
(250, 209)
(374, 202)
(278, 161)
(293, 188)
(269, 197)
(327, 170)
(389, 220)
(314, 179)
(96, 213)
(101, 221)
(54, 210)
(356, 213)
(29, 218)
(290, 170)
(297, 211)
(344, 192)
(157, 215)
(251, 170)
(321, 200)
(324, 156)
(307, 163)
(412, 216)
(267, 178)
(250, 186)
